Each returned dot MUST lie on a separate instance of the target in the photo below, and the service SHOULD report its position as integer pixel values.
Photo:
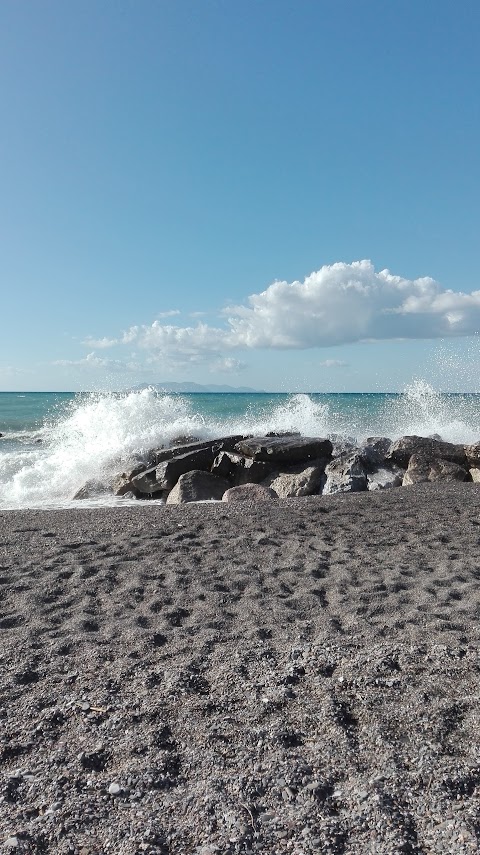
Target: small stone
(114, 789)
(11, 842)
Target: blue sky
(163, 164)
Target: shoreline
(295, 676)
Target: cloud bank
(338, 304)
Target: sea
(52, 443)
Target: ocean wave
(99, 435)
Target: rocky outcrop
(171, 463)
(402, 450)
(421, 468)
(197, 486)
(345, 474)
(301, 480)
(249, 493)
(284, 449)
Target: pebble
(11, 842)
(114, 789)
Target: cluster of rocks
(237, 468)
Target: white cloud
(344, 303)
(228, 365)
(169, 314)
(93, 362)
(99, 343)
(333, 363)
(338, 304)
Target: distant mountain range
(195, 387)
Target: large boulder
(197, 486)
(284, 449)
(385, 479)
(300, 480)
(421, 469)
(402, 449)
(345, 474)
(249, 493)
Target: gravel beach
(296, 676)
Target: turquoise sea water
(52, 443)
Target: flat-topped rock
(402, 449)
(284, 449)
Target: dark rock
(284, 449)
(422, 468)
(300, 480)
(402, 449)
(226, 443)
(374, 451)
(197, 486)
(345, 474)
(226, 464)
(170, 463)
(185, 440)
(283, 433)
(249, 493)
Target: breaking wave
(98, 435)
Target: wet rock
(299, 481)
(197, 486)
(249, 493)
(284, 449)
(92, 489)
(402, 449)
(421, 469)
(384, 479)
(345, 474)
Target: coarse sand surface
(296, 676)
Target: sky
(282, 195)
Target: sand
(297, 676)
